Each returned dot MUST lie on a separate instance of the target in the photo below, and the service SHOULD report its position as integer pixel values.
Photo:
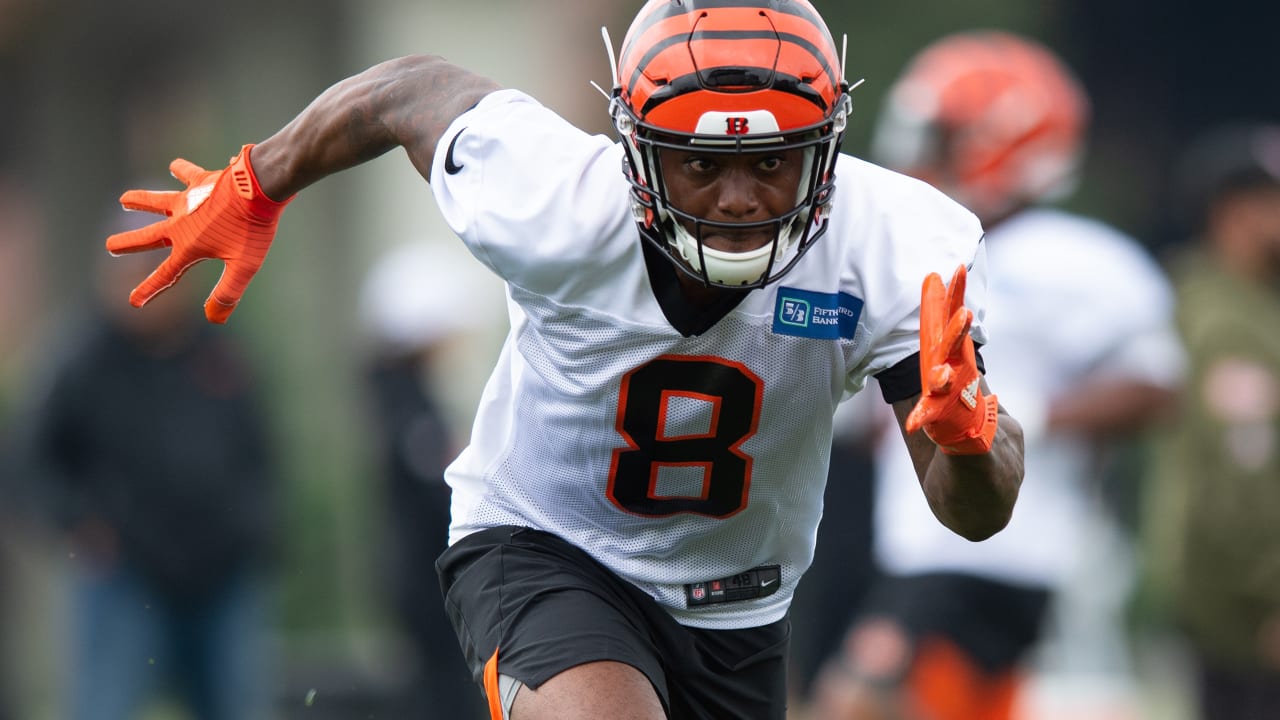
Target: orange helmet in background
(995, 120)
(728, 76)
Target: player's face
(732, 188)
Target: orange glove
(953, 410)
(222, 215)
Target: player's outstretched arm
(407, 102)
(969, 456)
(232, 214)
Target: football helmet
(740, 76)
(994, 120)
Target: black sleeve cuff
(902, 381)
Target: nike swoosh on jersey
(449, 165)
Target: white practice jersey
(672, 459)
(1069, 298)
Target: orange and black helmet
(994, 119)
(729, 76)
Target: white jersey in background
(674, 459)
(1069, 298)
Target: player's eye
(769, 163)
(699, 164)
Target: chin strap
(731, 268)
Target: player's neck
(700, 295)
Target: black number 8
(735, 393)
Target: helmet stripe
(661, 13)
(665, 11)
(785, 37)
(784, 82)
(690, 83)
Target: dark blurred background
(98, 97)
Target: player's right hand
(221, 215)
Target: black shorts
(993, 623)
(550, 606)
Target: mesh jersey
(671, 459)
(1070, 298)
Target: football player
(689, 304)
(1082, 331)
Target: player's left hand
(953, 410)
(222, 215)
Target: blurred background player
(148, 451)
(842, 569)
(1215, 494)
(22, 276)
(420, 302)
(1082, 325)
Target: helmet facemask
(678, 235)
(735, 109)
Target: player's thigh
(528, 606)
(604, 689)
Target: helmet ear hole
(705, 73)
